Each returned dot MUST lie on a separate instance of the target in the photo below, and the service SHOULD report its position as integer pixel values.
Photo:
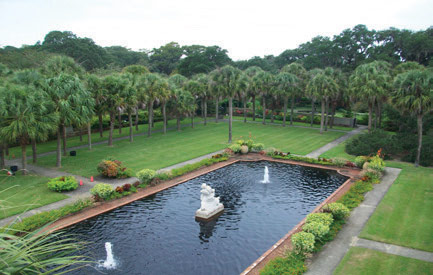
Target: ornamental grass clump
(324, 218)
(340, 162)
(338, 210)
(64, 183)
(319, 230)
(303, 242)
(102, 191)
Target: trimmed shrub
(292, 264)
(319, 230)
(340, 162)
(303, 242)
(369, 143)
(64, 183)
(146, 175)
(102, 190)
(236, 148)
(360, 160)
(126, 187)
(376, 163)
(339, 211)
(112, 168)
(257, 147)
(324, 218)
(372, 175)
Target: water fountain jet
(109, 263)
(266, 176)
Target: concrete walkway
(394, 249)
(329, 257)
(332, 144)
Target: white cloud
(245, 28)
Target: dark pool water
(159, 235)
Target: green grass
(21, 193)
(404, 216)
(50, 146)
(160, 150)
(268, 120)
(364, 261)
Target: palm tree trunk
(101, 127)
(81, 134)
(245, 109)
(313, 109)
(254, 108)
(192, 120)
(322, 119)
(272, 112)
(334, 107)
(65, 152)
(2, 156)
(59, 149)
(286, 99)
(119, 118)
(164, 118)
(6, 149)
(89, 135)
(35, 155)
(202, 108)
(370, 114)
(418, 151)
(292, 108)
(24, 157)
(205, 111)
(178, 123)
(216, 110)
(379, 108)
(131, 127)
(327, 115)
(110, 136)
(149, 108)
(136, 119)
(230, 118)
(264, 111)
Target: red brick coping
(278, 249)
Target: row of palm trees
(36, 103)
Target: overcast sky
(245, 28)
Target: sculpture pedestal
(207, 215)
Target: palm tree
(215, 90)
(302, 75)
(113, 86)
(371, 81)
(130, 100)
(287, 86)
(227, 79)
(164, 96)
(311, 74)
(252, 91)
(195, 89)
(176, 83)
(203, 80)
(242, 92)
(94, 86)
(413, 93)
(263, 83)
(62, 64)
(322, 86)
(26, 115)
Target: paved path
(394, 249)
(332, 144)
(329, 257)
(191, 161)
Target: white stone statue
(210, 205)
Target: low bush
(146, 175)
(324, 218)
(112, 168)
(271, 151)
(102, 191)
(126, 187)
(257, 147)
(321, 161)
(38, 220)
(360, 160)
(338, 210)
(355, 195)
(164, 175)
(119, 189)
(369, 143)
(319, 230)
(291, 264)
(303, 242)
(191, 167)
(64, 183)
(236, 148)
(339, 162)
(371, 175)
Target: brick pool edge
(278, 249)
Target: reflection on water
(159, 234)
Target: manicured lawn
(342, 128)
(364, 261)
(21, 193)
(160, 150)
(404, 216)
(338, 151)
(50, 146)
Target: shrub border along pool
(278, 249)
